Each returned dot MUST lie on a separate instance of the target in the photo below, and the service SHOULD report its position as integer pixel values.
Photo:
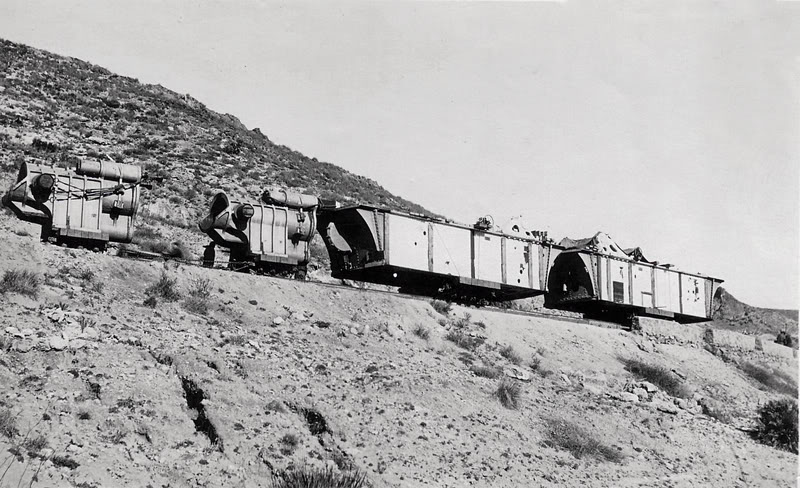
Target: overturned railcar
(271, 235)
(433, 257)
(596, 277)
(88, 206)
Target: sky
(673, 126)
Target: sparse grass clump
(562, 434)
(509, 392)
(773, 379)
(8, 424)
(509, 353)
(289, 443)
(165, 288)
(485, 370)
(777, 424)
(536, 363)
(422, 332)
(659, 376)
(310, 477)
(35, 444)
(23, 282)
(64, 461)
(442, 307)
(463, 340)
(199, 293)
(236, 340)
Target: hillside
(55, 109)
(270, 375)
(731, 314)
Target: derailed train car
(89, 205)
(597, 277)
(270, 235)
(430, 256)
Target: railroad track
(226, 266)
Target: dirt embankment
(284, 375)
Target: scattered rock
(627, 397)
(58, 343)
(640, 392)
(299, 317)
(681, 403)
(649, 387)
(680, 374)
(517, 372)
(277, 320)
(665, 407)
(24, 346)
(565, 379)
(13, 331)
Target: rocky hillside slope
(731, 314)
(125, 373)
(55, 109)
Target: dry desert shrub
(777, 424)
(422, 332)
(563, 434)
(659, 376)
(509, 353)
(199, 294)
(509, 393)
(442, 307)
(289, 443)
(485, 370)
(23, 282)
(165, 288)
(463, 340)
(8, 423)
(310, 477)
(773, 379)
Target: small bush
(509, 392)
(289, 443)
(777, 424)
(442, 307)
(35, 444)
(536, 363)
(562, 434)
(236, 340)
(463, 340)
(509, 353)
(659, 376)
(773, 379)
(310, 477)
(23, 282)
(485, 370)
(199, 293)
(165, 288)
(64, 461)
(422, 332)
(8, 424)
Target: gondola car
(595, 276)
(434, 257)
(271, 235)
(89, 205)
